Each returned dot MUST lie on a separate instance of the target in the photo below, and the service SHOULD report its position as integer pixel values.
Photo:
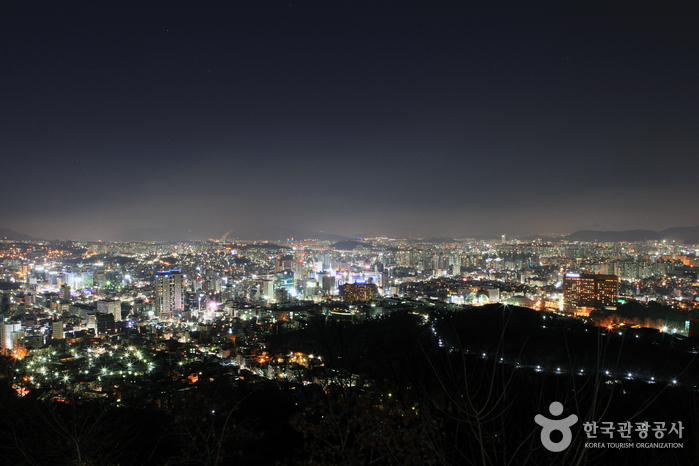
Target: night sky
(355, 118)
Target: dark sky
(357, 118)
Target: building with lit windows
(352, 292)
(590, 291)
(169, 295)
(8, 330)
(266, 289)
(104, 324)
(110, 306)
(57, 329)
(285, 280)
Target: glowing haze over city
(403, 119)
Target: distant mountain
(437, 240)
(612, 236)
(491, 238)
(312, 235)
(169, 233)
(277, 233)
(349, 245)
(326, 237)
(173, 233)
(10, 234)
(546, 238)
(264, 246)
(687, 235)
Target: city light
(184, 320)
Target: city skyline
(271, 352)
(407, 120)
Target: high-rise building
(328, 284)
(358, 292)
(57, 328)
(6, 334)
(285, 280)
(65, 292)
(104, 323)
(86, 279)
(310, 288)
(266, 288)
(590, 290)
(100, 279)
(168, 292)
(283, 263)
(110, 306)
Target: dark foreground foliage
(413, 388)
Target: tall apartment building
(104, 324)
(57, 329)
(110, 306)
(359, 292)
(9, 332)
(590, 290)
(169, 295)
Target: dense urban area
(363, 351)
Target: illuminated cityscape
(183, 317)
(349, 233)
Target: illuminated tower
(168, 292)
